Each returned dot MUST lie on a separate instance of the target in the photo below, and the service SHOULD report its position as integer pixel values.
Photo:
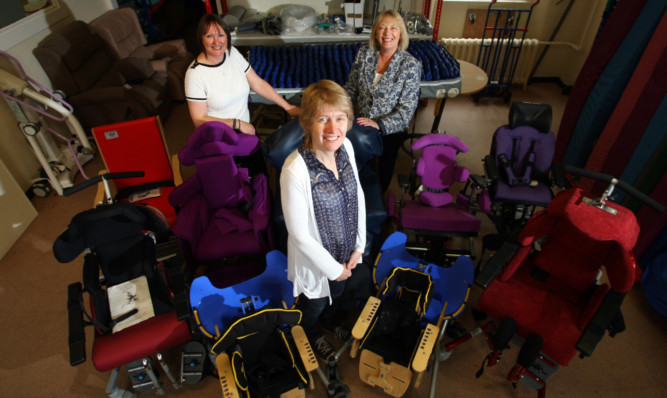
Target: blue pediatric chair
(399, 330)
(260, 349)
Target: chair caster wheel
(40, 188)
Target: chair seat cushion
(559, 330)
(214, 246)
(451, 218)
(143, 339)
(539, 195)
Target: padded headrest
(103, 225)
(366, 141)
(600, 225)
(216, 138)
(440, 139)
(538, 116)
(262, 321)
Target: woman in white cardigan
(324, 210)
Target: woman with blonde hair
(324, 210)
(383, 85)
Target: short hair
(205, 23)
(320, 95)
(403, 42)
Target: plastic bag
(297, 19)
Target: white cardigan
(309, 264)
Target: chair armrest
(226, 376)
(176, 170)
(98, 96)
(77, 336)
(596, 328)
(170, 253)
(305, 350)
(496, 263)
(491, 168)
(426, 344)
(365, 318)
(164, 49)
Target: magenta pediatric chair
(223, 211)
(433, 213)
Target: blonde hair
(403, 42)
(320, 95)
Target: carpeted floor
(33, 293)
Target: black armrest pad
(496, 263)
(77, 336)
(491, 168)
(597, 327)
(176, 266)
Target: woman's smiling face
(388, 34)
(328, 130)
(215, 41)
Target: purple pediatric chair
(223, 211)
(518, 166)
(433, 214)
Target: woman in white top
(324, 210)
(219, 80)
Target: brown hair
(205, 23)
(403, 41)
(320, 95)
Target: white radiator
(468, 50)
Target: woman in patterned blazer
(384, 87)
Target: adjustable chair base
(193, 362)
(392, 378)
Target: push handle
(101, 177)
(621, 184)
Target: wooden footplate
(392, 378)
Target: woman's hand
(353, 260)
(344, 275)
(246, 128)
(364, 121)
(293, 111)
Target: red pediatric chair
(133, 282)
(434, 214)
(140, 145)
(559, 288)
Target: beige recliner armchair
(100, 90)
(122, 33)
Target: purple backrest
(223, 184)
(437, 166)
(526, 151)
(216, 138)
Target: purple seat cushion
(215, 246)
(539, 195)
(448, 219)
